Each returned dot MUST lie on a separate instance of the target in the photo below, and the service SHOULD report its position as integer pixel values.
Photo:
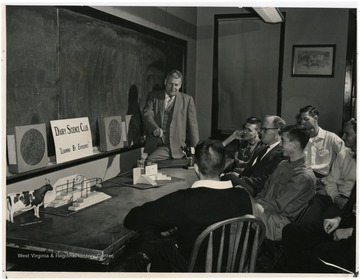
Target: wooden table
(96, 233)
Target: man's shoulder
(184, 95)
(212, 191)
(305, 174)
(301, 168)
(283, 162)
(277, 151)
(203, 193)
(331, 135)
(275, 157)
(309, 172)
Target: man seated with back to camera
(189, 211)
(241, 145)
(290, 187)
(265, 161)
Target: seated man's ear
(296, 144)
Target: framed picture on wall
(313, 61)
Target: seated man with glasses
(241, 145)
(263, 164)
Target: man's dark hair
(210, 157)
(175, 73)
(254, 120)
(298, 133)
(311, 109)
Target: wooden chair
(233, 241)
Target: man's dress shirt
(321, 150)
(342, 177)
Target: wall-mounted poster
(313, 60)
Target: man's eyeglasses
(265, 129)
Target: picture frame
(313, 60)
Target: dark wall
(302, 26)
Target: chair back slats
(232, 250)
(244, 251)
(255, 249)
(209, 253)
(194, 253)
(221, 249)
(236, 247)
(236, 240)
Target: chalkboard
(79, 62)
(32, 66)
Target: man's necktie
(261, 154)
(169, 101)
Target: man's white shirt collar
(267, 151)
(211, 184)
(273, 145)
(168, 97)
(321, 134)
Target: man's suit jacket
(254, 176)
(183, 126)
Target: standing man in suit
(170, 120)
(264, 162)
